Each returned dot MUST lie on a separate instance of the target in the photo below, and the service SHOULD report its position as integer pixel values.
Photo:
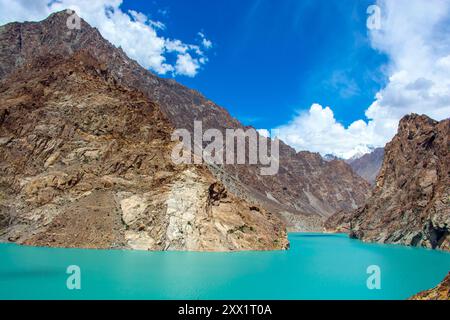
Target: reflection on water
(316, 235)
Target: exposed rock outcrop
(306, 185)
(86, 162)
(410, 203)
(440, 292)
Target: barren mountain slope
(85, 162)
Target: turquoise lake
(318, 266)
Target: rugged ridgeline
(410, 202)
(86, 162)
(307, 188)
(440, 292)
(369, 165)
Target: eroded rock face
(85, 162)
(410, 203)
(305, 185)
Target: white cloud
(415, 35)
(318, 131)
(187, 65)
(207, 44)
(133, 31)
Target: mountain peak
(62, 14)
(414, 121)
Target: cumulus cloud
(317, 130)
(187, 65)
(415, 36)
(133, 31)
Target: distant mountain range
(351, 155)
(366, 164)
(358, 152)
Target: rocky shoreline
(440, 292)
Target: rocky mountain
(410, 202)
(440, 292)
(305, 191)
(368, 166)
(86, 162)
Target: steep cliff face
(306, 186)
(86, 162)
(410, 203)
(369, 165)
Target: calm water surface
(317, 266)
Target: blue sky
(272, 58)
(310, 68)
